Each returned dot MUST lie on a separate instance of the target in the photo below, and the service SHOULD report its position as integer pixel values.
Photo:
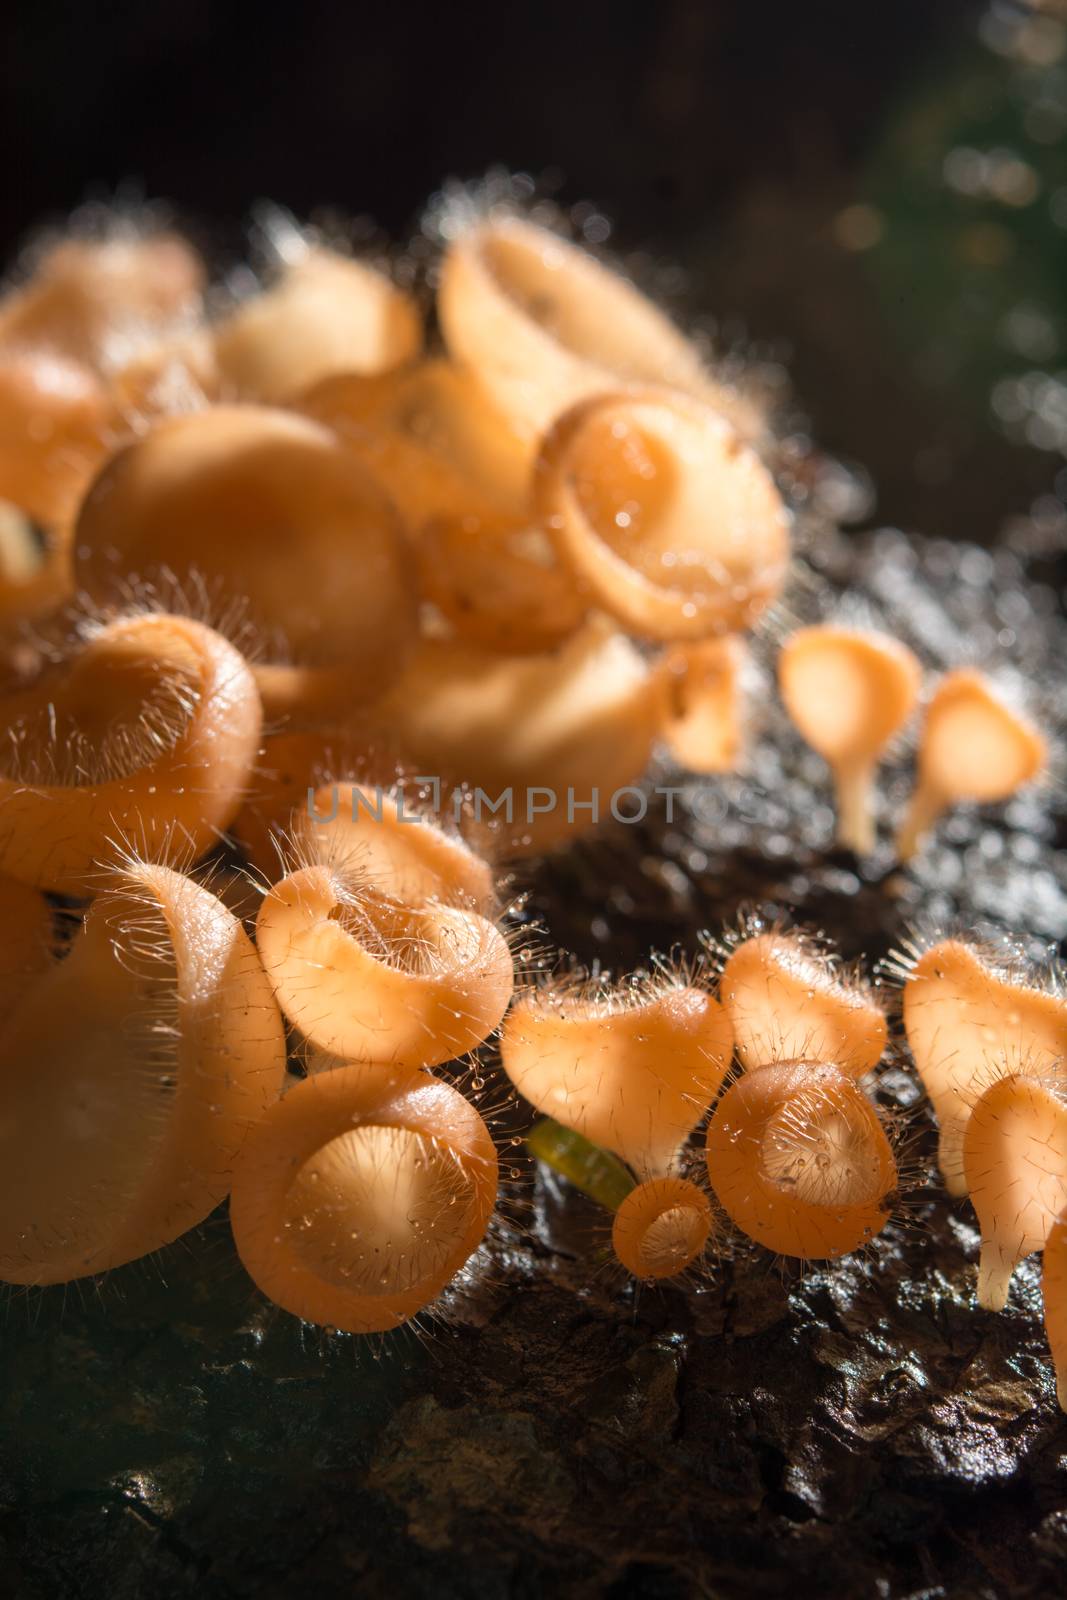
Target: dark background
(662, 112)
(726, 135)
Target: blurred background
(874, 198)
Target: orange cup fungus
(661, 1227)
(368, 977)
(359, 1196)
(800, 1162)
(155, 1045)
(849, 693)
(1015, 1159)
(632, 1067)
(431, 437)
(98, 301)
(969, 1021)
(328, 314)
(385, 840)
(228, 497)
(664, 516)
(704, 704)
(787, 1001)
(147, 730)
(974, 747)
(444, 563)
(545, 741)
(544, 324)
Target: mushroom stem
(994, 1276)
(854, 784)
(1054, 1293)
(924, 808)
(950, 1152)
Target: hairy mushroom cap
(632, 1067)
(264, 507)
(328, 314)
(800, 1162)
(787, 1001)
(543, 324)
(385, 839)
(1015, 1159)
(664, 516)
(359, 1196)
(968, 1022)
(148, 730)
(155, 1044)
(661, 1227)
(368, 977)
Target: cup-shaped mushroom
(130, 1073)
(849, 692)
(96, 300)
(969, 1022)
(148, 730)
(548, 744)
(26, 938)
(800, 1161)
(661, 1227)
(55, 423)
(671, 523)
(386, 840)
(498, 583)
(974, 747)
(632, 1068)
(789, 1001)
(369, 978)
(543, 324)
(431, 437)
(168, 377)
(1015, 1159)
(265, 509)
(361, 1195)
(328, 314)
(1054, 1294)
(291, 768)
(704, 704)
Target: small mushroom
(361, 1194)
(800, 1161)
(661, 1227)
(974, 747)
(1015, 1158)
(849, 692)
(631, 1066)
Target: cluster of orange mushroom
(263, 568)
(851, 691)
(988, 1034)
(796, 1154)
